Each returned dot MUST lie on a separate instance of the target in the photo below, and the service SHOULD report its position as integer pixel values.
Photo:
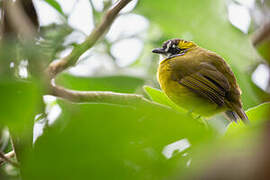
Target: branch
(19, 20)
(106, 97)
(261, 34)
(6, 158)
(58, 66)
(2, 23)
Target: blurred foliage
(20, 102)
(111, 142)
(124, 84)
(160, 97)
(53, 40)
(237, 155)
(16, 109)
(264, 50)
(102, 141)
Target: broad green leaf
(124, 84)
(257, 116)
(97, 141)
(56, 6)
(158, 96)
(206, 23)
(19, 103)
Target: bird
(199, 80)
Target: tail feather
(237, 113)
(241, 113)
(232, 115)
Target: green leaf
(19, 103)
(97, 141)
(257, 116)
(264, 50)
(158, 96)
(124, 84)
(56, 6)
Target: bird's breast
(170, 86)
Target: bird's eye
(174, 49)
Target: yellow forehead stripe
(185, 44)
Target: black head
(174, 47)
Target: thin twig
(7, 158)
(10, 154)
(58, 66)
(261, 34)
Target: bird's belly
(187, 99)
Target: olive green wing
(208, 83)
(220, 64)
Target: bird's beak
(159, 51)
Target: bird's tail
(237, 113)
(232, 115)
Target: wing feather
(204, 87)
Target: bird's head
(174, 47)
